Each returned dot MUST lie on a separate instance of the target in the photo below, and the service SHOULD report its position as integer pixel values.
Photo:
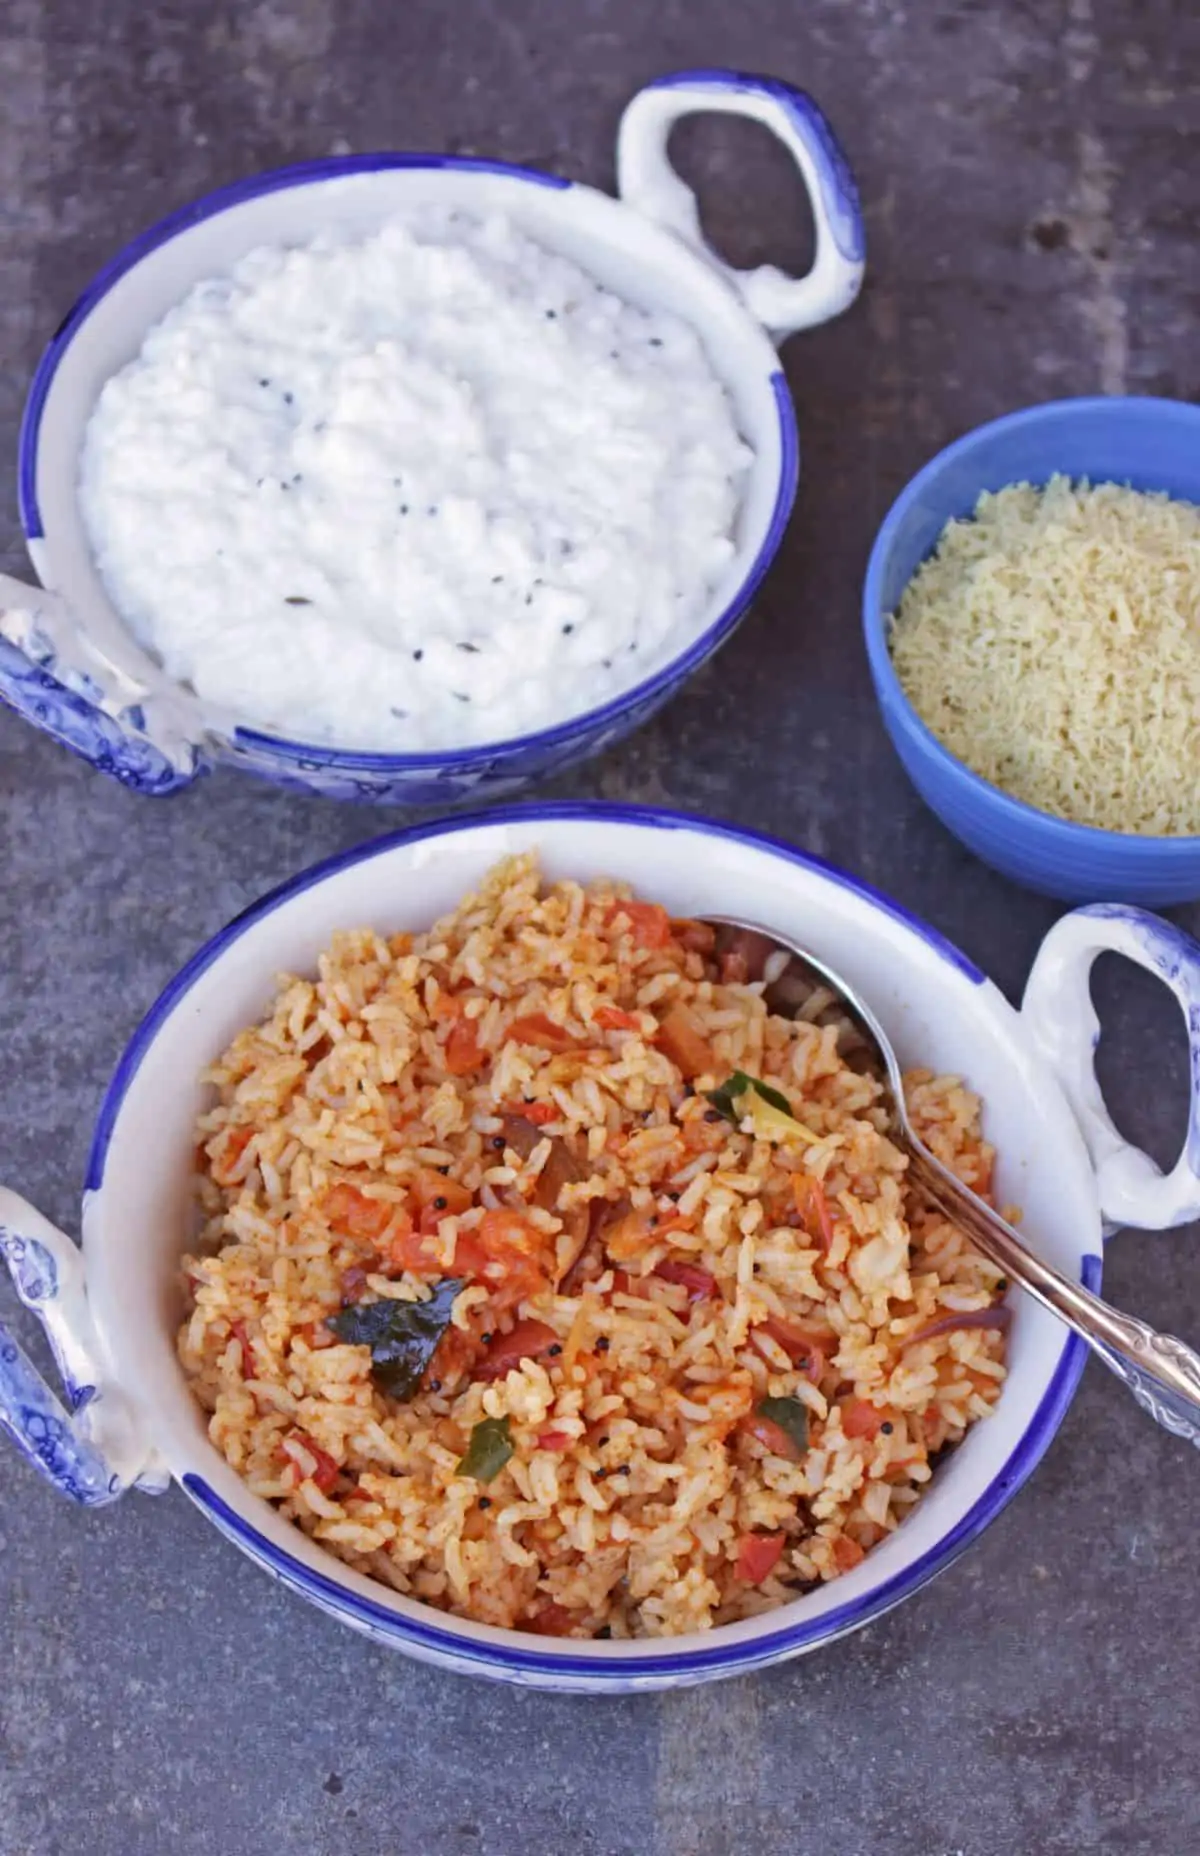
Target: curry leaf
(488, 1451)
(791, 1417)
(725, 1094)
(729, 1093)
(402, 1336)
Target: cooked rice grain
(637, 1477)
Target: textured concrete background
(1028, 171)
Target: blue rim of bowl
(845, 209)
(606, 1664)
(1016, 813)
(450, 761)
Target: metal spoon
(1162, 1373)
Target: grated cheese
(1052, 643)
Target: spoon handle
(1162, 1373)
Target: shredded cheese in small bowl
(1031, 612)
(1052, 644)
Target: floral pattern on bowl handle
(90, 1448)
(56, 679)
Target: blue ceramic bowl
(1150, 444)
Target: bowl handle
(57, 679)
(1062, 1022)
(649, 184)
(91, 1452)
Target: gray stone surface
(1028, 173)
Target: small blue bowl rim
(603, 1671)
(576, 729)
(1057, 833)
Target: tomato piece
(353, 1214)
(520, 1281)
(861, 1419)
(413, 1249)
(612, 1018)
(435, 1192)
(461, 1051)
(627, 1238)
(325, 1473)
(446, 1007)
(847, 1554)
(680, 1038)
(554, 1440)
(757, 1555)
(813, 1206)
(233, 1145)
(541, 1032)
(512, 1256)
(649, 923)
(401, 1241)
(701, 1285)
(694, 937)
(410, 1249)
(770, 1435)
(539, 1113)
(503, 1233)
(454, 1355)
(527, 1341)
(552, 1621)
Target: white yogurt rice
(429, 489)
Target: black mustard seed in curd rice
(426, 489)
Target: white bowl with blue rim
(112, 1311)
(68, 663)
